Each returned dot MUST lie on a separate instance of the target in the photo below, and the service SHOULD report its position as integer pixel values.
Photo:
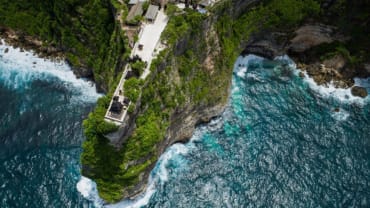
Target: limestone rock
(359, 91)
(264, 48)
(337, 62)
(309, 36)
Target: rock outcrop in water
(359, 91)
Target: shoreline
(43, 50)
(29, 43)
(22, 67)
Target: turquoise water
(280, 142)
(42, 106)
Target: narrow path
(149, 37)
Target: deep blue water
(279, 143)
(42, 107)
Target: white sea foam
(241, 72)
(157, 178)
(287, 60)
(19, 69)
(241, 64)
(343, 95)
(235, 89)
(340, 115)
(254, 77)
(88, 189)
(363, 82)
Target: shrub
(132, 88)
(138, 68)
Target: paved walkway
(113, 117)
(149, 38)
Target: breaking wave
(21, 70)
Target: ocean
(42, 106)
(282, 141)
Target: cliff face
(189, 85)
(186, 114)
(209, 49)
(330, 47)
(215, 65)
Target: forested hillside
(85, 30)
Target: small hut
(152, 13)
(116, 107)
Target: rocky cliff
(189, 85)
(213, 67)
(331, 48)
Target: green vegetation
(98, 154)
(180, 80)
(146, 6)
(138, 68)
(135, 21)
(85, 30)
(181, 24)
(287, 13)
(131, 108)
(329, 50)
(132, 88)
(352, 19)
(183, 83)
